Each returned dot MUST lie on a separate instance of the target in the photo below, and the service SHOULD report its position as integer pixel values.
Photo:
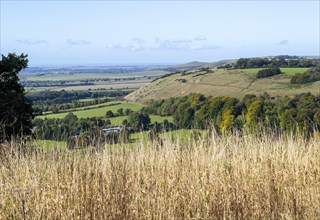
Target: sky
(157, 32)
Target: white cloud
(200, 38)
(283, 42)
(132, 47)
(182, 44)
(32, 42)
(78, 42)
(204, 47)
(164, 44)
(138, 40)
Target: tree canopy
(15, 109)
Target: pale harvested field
(92, 75)
(124, 85)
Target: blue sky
(157, 32)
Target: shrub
(311, 75)
(268, 72)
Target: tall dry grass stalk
(225, 178)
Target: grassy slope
(286, 71)
(234, 83)
(64, 112)
(197, 65)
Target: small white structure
(113, 130)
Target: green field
(87, 100)
(183, 135)
(87, 108)
(96, 112)
(101, 112)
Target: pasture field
(229, 177)
(96, 112)
(115, 121)
(90, 99)
(105, 104)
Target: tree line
(226, 114)
(259, 62)
(60, 97)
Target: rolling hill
(196, 65)
(222, 82)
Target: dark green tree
(70, 119)
(125, 122)
(127, 111)
(268, 72)
(120, 111)
(109, 114)
(138, 121)
(16, 110)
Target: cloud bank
(137, 44)
(32, 42)
(131, 47)
(283, 42)
(77, 42)
(184, 44)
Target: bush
(109, 114)
(311, 75)
(268, 72)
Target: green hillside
(221, 82)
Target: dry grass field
(214, 178)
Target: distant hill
(222, 82)
(196, 65)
